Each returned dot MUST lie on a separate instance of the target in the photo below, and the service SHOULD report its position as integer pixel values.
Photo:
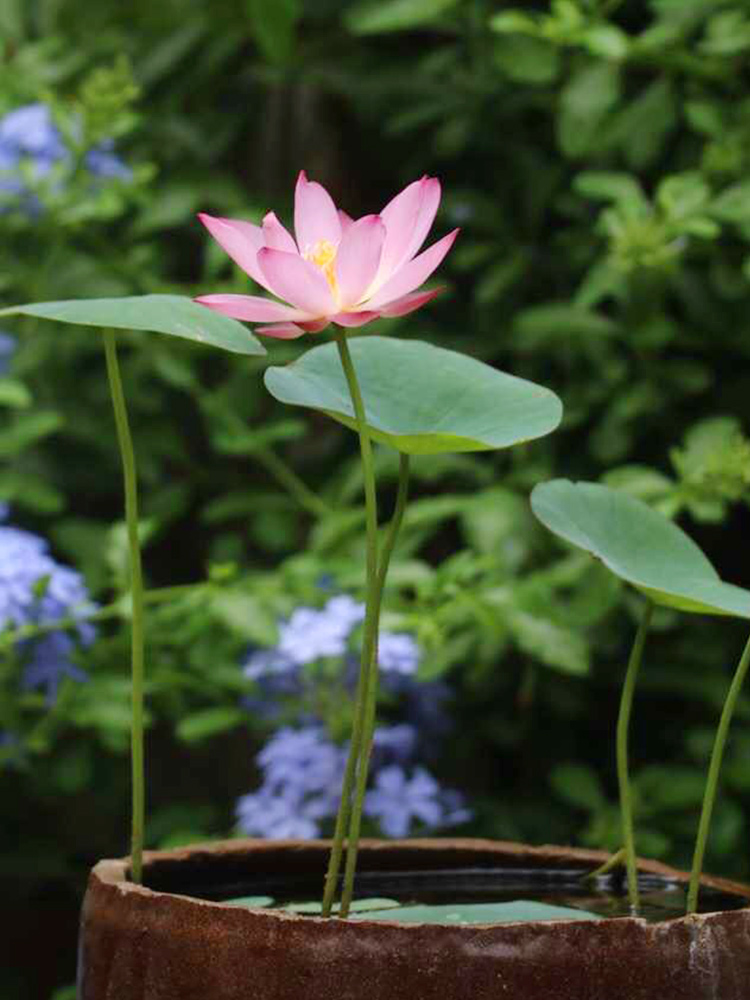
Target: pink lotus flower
(337, 270)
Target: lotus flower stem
(370, 626)
(712, 781)
(127, 455)
(623, 722)
(372, 687)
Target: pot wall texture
(141, 944)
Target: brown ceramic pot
(140, 944)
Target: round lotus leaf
(418, 398)
(639, 545)
(170, 314)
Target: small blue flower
(271, 815)
(35, 589)
(302, 769)
(303, 759)
(30, 131)
(398, 653)
(7, 350)
(262, 664)
(11, 749)
(394, 743)
(29, 136)
(425, 706)
(302, 775)
(102, 162)
(310, 635)
(397, 801)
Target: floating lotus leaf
(518, 911)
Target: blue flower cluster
(35, 589)
(7, 350)
(32, 145)
(303, 768)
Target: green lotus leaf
(171, 314)
(520, 910)
(254, 902)
(418, 398)
(639, 545)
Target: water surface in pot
(606, 896)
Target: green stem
(158, 595)
(136, 588)
(370, 626)
(292, 483)
(613, 861)
(372, 688)
(712, 781)
(623, 721)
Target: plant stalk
(127, 456)
(370, 625)
(623, 777)
(712, 782)
(372, 688)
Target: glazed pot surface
(141, 944)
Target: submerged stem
(372, 687)
(127, 456)
(370, 627)
(712, 781)
(623, 777)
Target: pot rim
(113, 872)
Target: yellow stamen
(323, 255)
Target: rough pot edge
(114, 871)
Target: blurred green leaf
(394, 15)
(273, 24)
(585, 102)
(733, 203)
(26, 429)
(14, 394)
(209, 722)
(526, 59)
(578, 785)
(554, 645)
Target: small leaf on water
(518, 911)
(358, 906)
(255, 902)
(172, 314)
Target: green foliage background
(595, 154)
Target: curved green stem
(712, 781)
(127, 455)
(612, 862)
(158, 595)
(623, 721)
(370, 626)
(298, 489)
(372, 688)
